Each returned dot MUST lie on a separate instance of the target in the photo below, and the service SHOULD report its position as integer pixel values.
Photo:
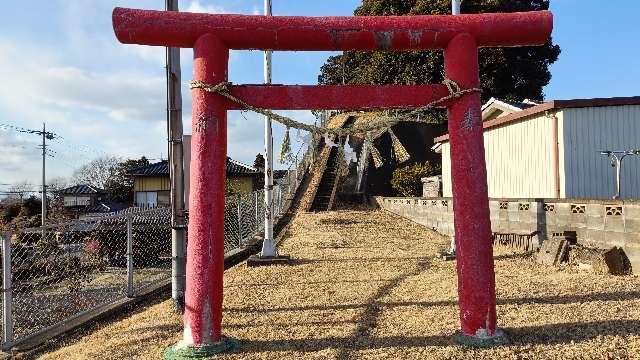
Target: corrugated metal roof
(81, 189)
(162, 169)
(553, 105)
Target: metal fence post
(239, 208)
(129, 255)
(7, 293)
(276, 192)
(257, 220)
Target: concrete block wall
(597, 223)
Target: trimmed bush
(406, 180)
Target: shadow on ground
(557, 334)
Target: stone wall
(597, 223)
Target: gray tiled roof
(81, 189)
(162, 168)
(107, 208)
(156, 169)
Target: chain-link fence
(54, 273)
(60, 271)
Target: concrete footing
(499, 338)
(258, 260)
(226, 345)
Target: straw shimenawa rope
(378, 124)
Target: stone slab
(551, 251)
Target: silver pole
(268, 247)
(257, 217)
(239, 211)
(129, 256)
(615, 158)
(455, 7)
(618, 166)
(7, 293)
(44, 186)
(176, 171)
(455, 10)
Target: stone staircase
(325, 194)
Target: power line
(59, 139)
(48, 135)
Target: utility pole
(176, 171)
(268, 246)
(44, 183)
(45, 136)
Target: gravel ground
(366, 285)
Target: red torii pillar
(211, 36)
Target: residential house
(553, 150)
(151, 184)
(81, 196)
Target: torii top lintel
(298, 33)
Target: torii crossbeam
(212, 36)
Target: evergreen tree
(508, 73)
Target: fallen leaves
(385, 296)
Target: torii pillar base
(497, 339)
(177, 352)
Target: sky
(61, 64)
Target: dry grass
(366, 286)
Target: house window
(147, 198)
(77, 201)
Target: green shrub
(10, 212)
(406, 180)
(32, 206)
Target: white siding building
(552, 150)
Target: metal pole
(268, 247)
(455, 10)
(7, 293)
(280, 197)
(257, 218)
(618, 165)
(129, 255)
(455, 7)
(44, 186)
(176, 171)
(239, 211)
(615, 158)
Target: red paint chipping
(205, 249)
(212, 36)
(180, 29)
(474, 251)
(348, 97)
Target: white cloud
(95, 91)
(44, 88)
(196, 7)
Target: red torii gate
(211, 36)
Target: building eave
(549, 106)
